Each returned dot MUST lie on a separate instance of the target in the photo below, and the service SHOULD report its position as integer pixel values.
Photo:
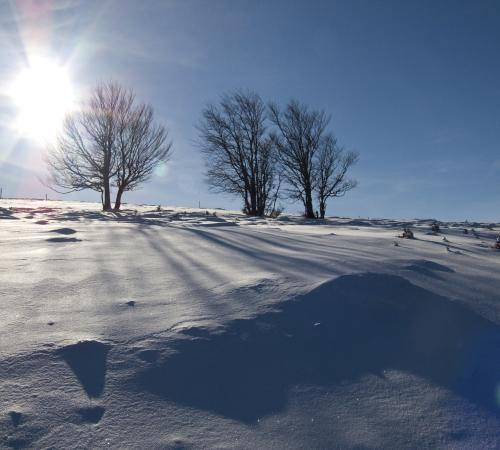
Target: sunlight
(43, 94)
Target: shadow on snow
(87, 360)
(351, 326)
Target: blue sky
(413, 86)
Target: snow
(179, 328)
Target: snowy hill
(181, 328)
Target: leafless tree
(142, 146)
(300, 135)
(332, 166)
(240, 156)
(83, 156)
(111, 141)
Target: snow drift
(175, 328)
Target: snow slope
(183, 329)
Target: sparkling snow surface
(179, 329)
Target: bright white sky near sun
(414, 87)
(43, 95)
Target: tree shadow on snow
(6, 214)
(65, 231)
(351, 326)
(63, 239)
(162, 218)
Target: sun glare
(43, 95)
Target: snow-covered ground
(178, 329)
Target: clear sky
(413, 86)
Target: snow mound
(214, 336)
(428, 268)
(344, 329)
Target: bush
(276, 212)
(407, 234)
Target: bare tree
(110, 141)
(332, 166)
(239, 154)
(83, 156)
(301, 132)
(142, 146)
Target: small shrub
(276, 212)
(407, 234)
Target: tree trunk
(253, 200)
(322, 209)
(118, 200)
(106, 206)
(261, 210)
(247, 204)
(308, 204)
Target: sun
(43, 95)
